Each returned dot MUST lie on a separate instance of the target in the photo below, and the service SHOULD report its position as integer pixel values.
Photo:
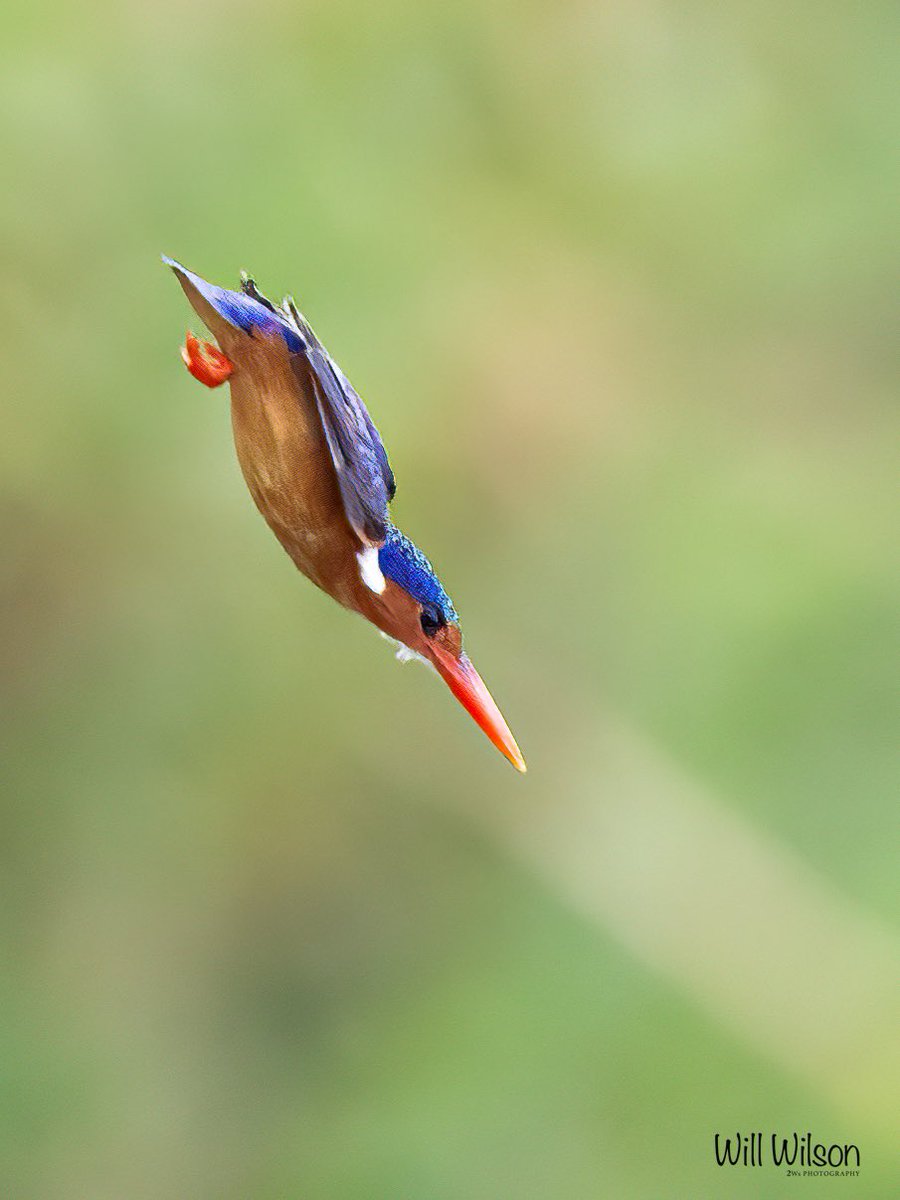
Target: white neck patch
(370, 571)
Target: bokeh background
(615, 280)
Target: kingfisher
(318, 472)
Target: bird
(318, 472)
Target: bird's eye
(430, 620)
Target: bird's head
(418, 613)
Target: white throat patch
(403, 652)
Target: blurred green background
(615, 281)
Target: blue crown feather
(403, 561)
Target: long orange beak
(467, 686)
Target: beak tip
(513, 754)
(468, 687)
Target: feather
(364, 474)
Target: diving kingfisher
(319, 474)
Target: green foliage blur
(615, 281)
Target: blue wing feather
(364, 474)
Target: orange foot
(205, 362)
